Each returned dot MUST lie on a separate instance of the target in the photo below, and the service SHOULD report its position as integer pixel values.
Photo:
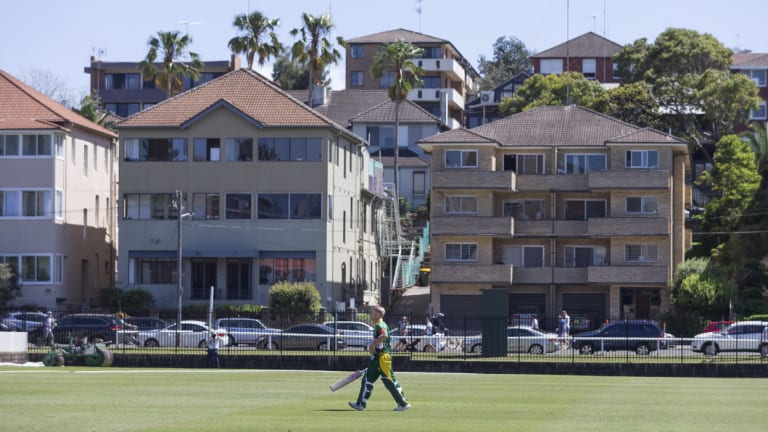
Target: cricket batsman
(380, 365)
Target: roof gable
(384, 112)
(221, 103)
(393, 35)
(587, 45)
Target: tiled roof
(385, 113)
(390, 36)
(405, 158)
(566, 126)
(460, 135)
(248, 92)
(587, 45)
(344, 104)
(22, 107)
(750, 60)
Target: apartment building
(590, 54)
(123, 90)
(57, 180)
(755, 66)
(564, 207)
(270, 190)
(448, 80)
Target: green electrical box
(495, 313)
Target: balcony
(640, 274)
(448, 66)
(475, 274)
(629, 179)
(560, 182)
(473, 225)
(533, 275)
(468, 178)
(453, 98)
(628, 226)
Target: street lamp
(179, 288)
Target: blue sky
(59, 36)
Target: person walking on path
(48, 325)
(380, 365)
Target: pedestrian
(402, 325)
(535, 322)
(561, 327)
(438, 326)
(48, 326)
(380, 365)
(567, 323)
(430, 329)
(765, 341)
(214, 341)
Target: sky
(59, 36)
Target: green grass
(121, 399)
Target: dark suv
(642, 337)
(107, 328)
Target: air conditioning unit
(486, 97)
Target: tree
(703, 288)
(734, 181)
(253, 29)
(9, 284)
(291, 75)
(294, 302)
(540, 90)
(51, 85)
(632, 103)
(510, 57)
(757, 137)
(174, 49)
(688, 74)
(397, 57)
(313, 47)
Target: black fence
(452, 339)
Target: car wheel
(586, 348)
(151, 343)
(429, 348)
(477, 348)
(764, 350)
(536, 349)
(710, 349)
(643, 349)
(322, 346)
(270, 345)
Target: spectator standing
(430, 328)
(48, 325)
(214, 341)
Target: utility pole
(179, 286)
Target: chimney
(319, 96)
(234, 63)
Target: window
(123, 109)
(430, 82)
(97, 211)
(302, 206)
(356, 50)
(305, 206)
(26, 203)
(58, 144)
(759, 113)
(584, 209)
(461, 158)
(203, 278)
(155, 271)
(238, 206)
(589, 68)
(461, 251)
(524, 256)
(10, 203)
(460, 205)
(640, 253)
(95, 158)
(584, 256)
(85, 160)
(205, 77)
(291, 149)
(330, 207)
(128, 81)
(524, 163)
(642, 159)
(156, 149)
(58, 269)
(525, 210)
(356, 78)
(205, 206)
(207, 149)
(551, 66)
(584, 163)
(287, 266)
(757, 75)
(238, 279)
(273, 206)
(35, 268)
(239, 149)
(615, 68)
(387, 79)
(163, 206)
(419, 184)
(36, 145)
(432, 52)
(59, 204)
(150, 206)
(642, 205)
(382, 136)
(9, 145)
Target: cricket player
(380, 365)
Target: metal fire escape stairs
(402, 255)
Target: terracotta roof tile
(587, 45)
(459, 136)
(750, 60)
(22, 107)
(249, 92)
(385, 113)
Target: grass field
(118, 399)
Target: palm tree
(253, 28)
(313, 47)
(397, 57)
(757, 136)
(174, 49)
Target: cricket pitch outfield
(111, 399)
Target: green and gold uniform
(381, 365)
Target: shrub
(294, 303)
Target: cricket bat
(347, 379)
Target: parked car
(355, 333)
(741, 336)
(147, 323)
(304, 337)
(192, 334)
(519, 339)
(642, 337)
(716, 326)
(582, 320)
(244, 331)
(23, 321)
(105, 327)
(417, 339)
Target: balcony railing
(629, 179)
(621, 226)
(640, 275)
(473, 179)
(473, 225)
(476, 274)
(449, 66)
(453, 97)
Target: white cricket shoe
(354, 405)
(402, 407)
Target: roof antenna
(418, 11)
